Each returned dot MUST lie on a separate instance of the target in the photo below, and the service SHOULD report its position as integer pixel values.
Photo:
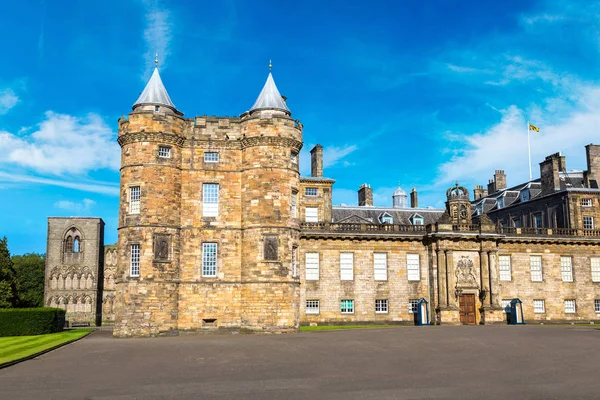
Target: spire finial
(270, 65)
(156, 60)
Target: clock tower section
(458, 205)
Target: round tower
(149, 216)
(271, 142)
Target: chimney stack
(500, 180)
(549, 172)
(478, 192)
(414, 198)
(491, 188)
(591, 176)
(365, 195)
(316, 161)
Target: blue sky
(411, 92)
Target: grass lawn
(15, 347)
(338, 327)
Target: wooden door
(466, 303)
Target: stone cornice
(160, 137)
(271, 141)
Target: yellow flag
(533, 128)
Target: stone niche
(271, 248)
(162, 247)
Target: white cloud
(63, 144)
(157, 35)
(84, 206)
(10, 179)
(8, 99)
(332, 154)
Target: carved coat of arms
(465, 272)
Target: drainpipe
(428, 284)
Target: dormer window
(524, 195)
(386, 218)
(417, 220)
(500, 202)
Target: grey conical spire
(155, 93)
(269, 98)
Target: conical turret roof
(155, 93)
(270, 98)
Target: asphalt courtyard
(462, 362)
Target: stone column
(485, 276)
(452, 300)
(493, 278)
(442, 279)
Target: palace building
(219, 232)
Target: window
(76, 244)
(294, 202)
(588, 222)
(539, 306)
(567, 269)
(294, 261)
(516, 222)
(134, 262)
(211, 157)
(537, 219)
(597, 305)
(210, 200)
(69, 245)
(311, 214)
(586, 202)
(312, 266)
(381, 306)
(570, 307)
(312, 306)
(346, 266)
(134, 200)
(156, 108)
(506, 305)
(294, 157)
(505, 272)
(386, 219)
(535, 264)
(164, 152)
(347, 307)
(595, 261)
(524, 195)
(309, 191)
(380, 266)
(500, 202)
(418, 221)
(413, 268)
(413, 306)
(209, 259)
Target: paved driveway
(466, 362)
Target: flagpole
(529, 151)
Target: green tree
(29, 274)
(8, 283)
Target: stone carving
(271, 244)
(465, 273)
(162, 244)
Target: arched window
(69, 245)
(76, 244)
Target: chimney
(414, 199)
(549, 172)
(484, 193)
(591, 176)
(500, 180)
(491, 186)
(477, 192)
(365, 195)
(316, 161)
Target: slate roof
(270, 98)
(401, 216)
(155, 93)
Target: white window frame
(210, 199)
(209, 259)
(570, 306)
(312, 307)
(586, 202)
(595, 267)
(346, 266)
(381, 306)
(134, 260)
(504, 265)
(313, 216)
(135, 198)
(311, 266)
(539, 306)
(566, 268)
(294, 261)
(347, 310)
(597, 305)
(506, 305)
(536, 268)
(211, 157)
(164, 152)
(418, 221)
(380, 266)
(413, 306)
(590, 222)
(294, 204)
(311, 191)
(413, 267)
(387, 219)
